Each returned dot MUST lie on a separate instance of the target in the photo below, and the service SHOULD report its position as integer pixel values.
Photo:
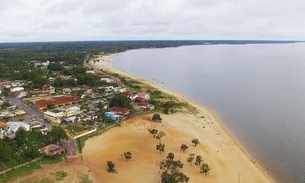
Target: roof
(119, 110)
(19, 112)
(57, 100)
(3, 125)
(16, 125)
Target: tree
(195, 142)
(153, 132)
(160, 147)
(205, 169)
(198, 160)
(156, 117)
(160, 135)
(183, 147)
(170, 170)
(170, 156)
(21, 136)
(111, 166)
(127, 155)
(120, 101)
(5, 105)
(191, 158)
(50, 106)
(56, 134)
(55, 66)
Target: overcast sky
(68, 20)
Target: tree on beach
(183, 147)
(156, 117)
(153, 132)
(160, 147)
(191, 158)
(170, 156)
(195, 142)
(198, 160)
(160, 135)
(205, 169)
(127, 155)
(170, 170)
(111, 166)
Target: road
(34, 113)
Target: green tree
(127, 155)
(205, 169)
(170, 156)
(160, 147)
(190, 159)
(160, 135)
(195, 142)
(55, 66)
(153, 132)
(120, 101)
(5, 91)
(111, 166)
(183, 147)
(198, 160)
(57, 134)
(50, 106)
(156, 117)
(21, 136)
(174, 177)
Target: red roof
(3, 125)
(57, 100)
(119, 110)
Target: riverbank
(228, 160)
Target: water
(256, 90)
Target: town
(73, 101)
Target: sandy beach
(230, 163)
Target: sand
(230, 163)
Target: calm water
(258, 91)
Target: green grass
(14, 174)
(58, 176)
(74, 129)
(84, 179)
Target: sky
(79, 20)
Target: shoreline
(105, 64)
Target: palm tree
(191, 158)
(198, 160)
(195, 142)
(160, 147)
(183, 147)
(205, 169)
(127, 155)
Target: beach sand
(230, 163)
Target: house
(22, 94)
(57, 101)
(14, 126)
(66, 91)
(119, 89)
(119, 111)
(90, 72)
(54, 116)
(71, 111)
(112, 116)
(108, 88)
(48, 89)
(52, 150)
(107, 80)
(4, 129)
(17, 89)
(143, 95)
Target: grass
(84, 179)
(74, 129)
(58, 176)
(26, 170)
(14, 174)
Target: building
(119, 111)
(54, 116)
(57, 101)
(112, 116)
(107, 80)
(14, 126)
(143, 95)
(52, 150)
(4, 129)
(71, 111)
(17, 89)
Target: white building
(14, 126)
(17, 89)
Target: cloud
(56, 20)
